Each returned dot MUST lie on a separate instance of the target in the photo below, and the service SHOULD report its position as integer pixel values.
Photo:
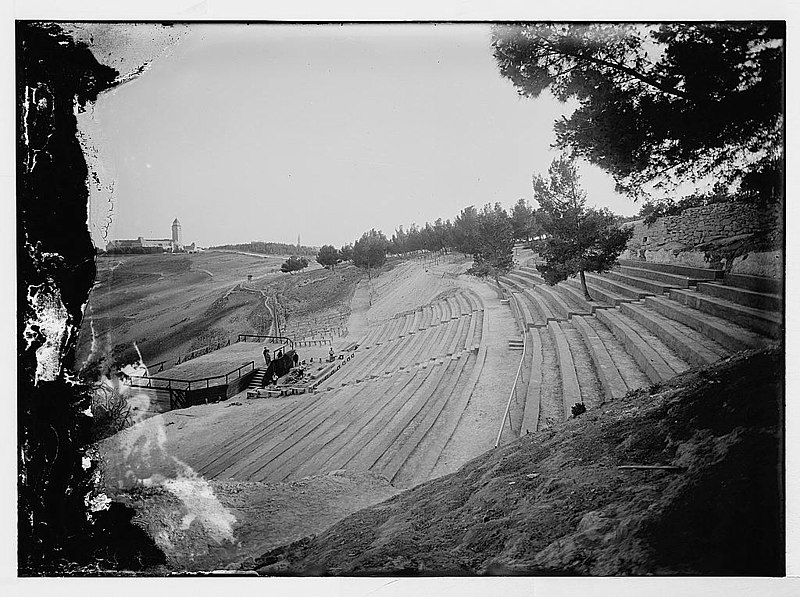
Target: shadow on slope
(557, 503)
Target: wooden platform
(219, 362)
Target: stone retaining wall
(711, 236)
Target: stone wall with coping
(711, 236)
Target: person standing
(266, 355)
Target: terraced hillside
(675, 480)
(390, 410)
(410, 402)
(422, 393)
(432, 361)
(646, 323)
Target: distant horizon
(388, 234)
(325, 131)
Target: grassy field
(164, 306)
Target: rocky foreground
(685, 478)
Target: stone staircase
(647, 322)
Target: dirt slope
(211, 525)
(164, 306)
(556, 502)
(167, 304)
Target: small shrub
(578, 409)
(111, 413)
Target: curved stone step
(767, 323)
(600, 294)
(375, 455)
(521, 280)
(251, 460)
(408, 321)
(533, 395)
(456, 345)
(592, 393)
(692, 346)
(742, 296)
(632, 374)
(469, 340)
(463, 303)
(655, 359)
(657, 277)
(321, 458)
(617, 287)
(575, 296)
(427, 313)
(539, 310)
(607, 372)
(570, 389)
(696, 273)
(481, 329)
(651, 286)
(531, 274)
(755, 283)
(226, 454)
(420, 430)
(551, 403)
(558, 303)
(521, 311)
(365, 431)
(729, 335)
(427, 466)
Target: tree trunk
(586, 294)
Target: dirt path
(478, 426)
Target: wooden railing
(513, 392)
(157, 367)
(258, 338)
(138, 381)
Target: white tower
(177, 234)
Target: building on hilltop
(177, 233)
(148, 245)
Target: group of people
(278, 356)
(272, 377)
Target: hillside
(164, 306)
(556, 502)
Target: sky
(267, 132)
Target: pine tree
(328, 256)
(493, 250)
(658, 105)
(579, 239)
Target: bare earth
(215, 521)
